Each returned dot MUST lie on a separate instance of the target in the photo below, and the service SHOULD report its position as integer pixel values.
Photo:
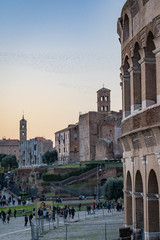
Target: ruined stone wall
(139, 31)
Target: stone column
(135, 81)
(126, 96)
(147, 65)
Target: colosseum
(139, 35)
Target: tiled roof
(9, 142)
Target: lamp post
(99, 169)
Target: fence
(68, 228)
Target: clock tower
(23, 129)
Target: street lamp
(99, 169)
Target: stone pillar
(152, 231)
(143, 77)
(147, 65)
(135, 81)
(126, 96)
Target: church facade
(139, 35)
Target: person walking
(3, 214)
(8, 218)
(15, 213)
(73, 212)
(25, 220)
(30, 218)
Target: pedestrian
(25, 220)
(8, 217)
(30, 218)
(15, 212)
(79, 207)
(73, 212)
(3, 214)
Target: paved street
(16, 230)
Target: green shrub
(113, 188)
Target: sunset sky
(54, 56)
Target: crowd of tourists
(6, 201)
(109, 205)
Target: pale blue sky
(54, 56)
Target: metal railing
(43, 226)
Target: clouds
(60, 63)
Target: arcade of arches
(139, 34)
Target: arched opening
(126, 89)
(153, 203)
(150, 81)
(126, 28)
(129, 199)
(137, 95)
(139, 207)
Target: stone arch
(126, 88)
(150, 71)
(153, 203)
(129, 199)
(139, 205)
(125, 28)
(137, 87)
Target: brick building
(139, 32)
(10, 147)
(99, 131)
(67, 144)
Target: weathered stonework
(139, 32)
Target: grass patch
(83, 185)
(28, 209)
(76, 165)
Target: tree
(9, 161)
(113, 188)
(2, 155)
(50, 157)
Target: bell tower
(23, 129)
(103, 100)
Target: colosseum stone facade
(139, 32)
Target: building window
(64, 149)
(106, 98)
(75, 136)
(126, 28)
(59, 150)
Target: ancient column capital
(144, 159)
(132, 160)
(138, 194)
(123, 160)
(152, 197)
(158, 157)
